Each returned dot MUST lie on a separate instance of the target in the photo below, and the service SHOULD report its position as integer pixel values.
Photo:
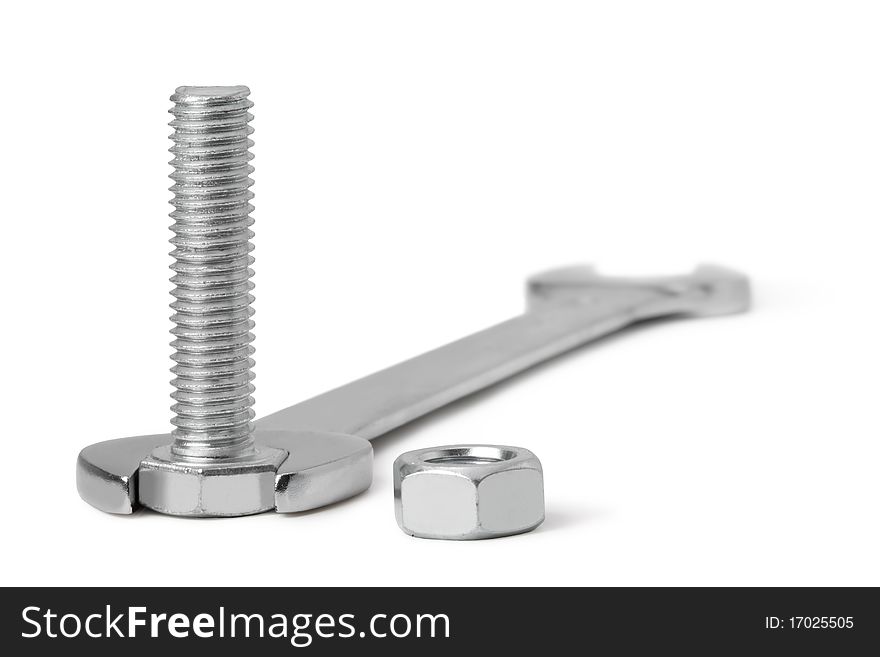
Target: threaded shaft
(212, 306)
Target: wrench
(330, 457)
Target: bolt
(215, 463)
(213, 414)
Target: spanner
(329, 453)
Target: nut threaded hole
(464, 460)
(474, 455)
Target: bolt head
(225, 487)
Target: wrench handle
(380, 402)
(568, 308)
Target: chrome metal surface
(214, 463)
(330, 458)
(209, 487)
(467, 492)
(567, 308)
(107, 472)
(212, 297)
(213, 466)
(321, 468)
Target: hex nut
(467, 492)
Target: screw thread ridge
(213, 415)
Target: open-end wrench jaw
(326, 438)
(708, 291)
(320, 468)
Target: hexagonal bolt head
(467, 492)
(230, 487)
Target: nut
(466, 492)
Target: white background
(415, 162)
